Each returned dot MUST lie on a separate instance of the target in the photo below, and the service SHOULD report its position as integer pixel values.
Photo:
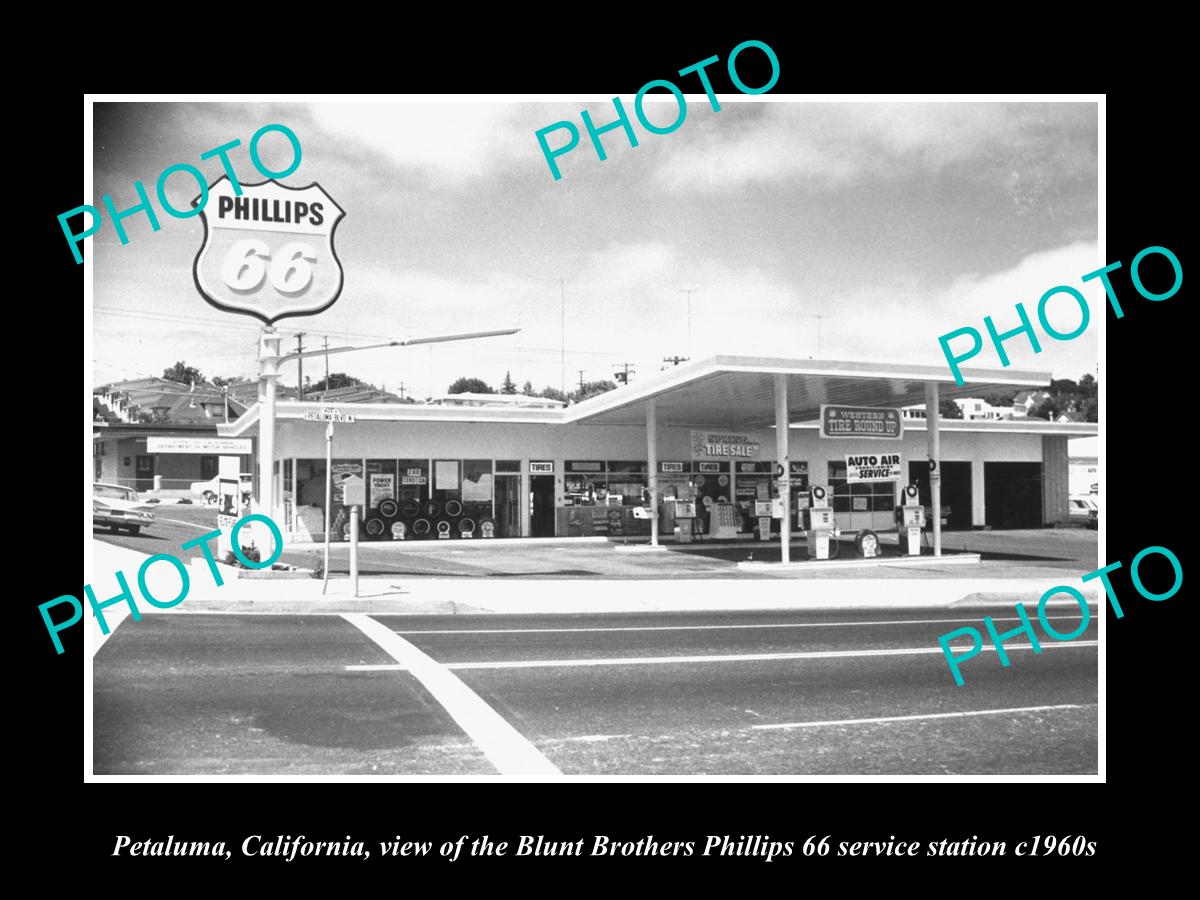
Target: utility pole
(402, 390)
(300, 359)
(689, 292)
(562, 382)
(676, 360)
(326, 362)
(623, 376)
(581, 381)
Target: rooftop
(733, 392)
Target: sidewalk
(400, 595)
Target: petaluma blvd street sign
(327, 414)
(268, 249)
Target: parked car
(208, 489)
(119, 508)
(1084, 510)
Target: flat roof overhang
(729, 392)
(739, 391)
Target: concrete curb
(398, 595)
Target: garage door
(1013, 494)
(956, 489)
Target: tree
(336, 380)
(527, 389)
(509, 387)
(182, 373)
(1047, 409)
(592, 389)
(554, 394)
(1000, 399)
(1063, 386)
(470, 386)
(221, 382)
(948, 409)
(1088, 386)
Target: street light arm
(428, 340)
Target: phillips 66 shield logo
(268, 250)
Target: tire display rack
(430, 520)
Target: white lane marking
(721, 658)
(710, 627)
(505, 747)
(952, 715)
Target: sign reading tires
(268, 249)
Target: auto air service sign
(268, 250)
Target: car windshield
(112, 492)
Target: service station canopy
(739, 391)
(732, 392)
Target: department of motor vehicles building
(707, 431)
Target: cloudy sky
(895, 222)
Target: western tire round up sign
(268, 249)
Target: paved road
(1052, 554)
(631, 694)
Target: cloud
(829, 145)
(451, 142)
(905, 324)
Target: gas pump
(910, 519)
(818, 522)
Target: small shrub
(251, 553)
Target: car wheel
(115, 529)
(133, 529)
(210, 497)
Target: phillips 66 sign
(268, 250)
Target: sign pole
(934, 437)
(328, 497)
(269, 362)
(782, 438)
(354, 547)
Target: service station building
(718, 432)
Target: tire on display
(420, 529)
(389, 509)
(453, 509)
(375, 528)
(866, 540)
(133, 529)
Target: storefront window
(859, 496)
(414, 484)
(381, 481)
(477, 484)
(626, 481)
(585, 483)
(675, 480)
(310, 488)
(447, 484)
